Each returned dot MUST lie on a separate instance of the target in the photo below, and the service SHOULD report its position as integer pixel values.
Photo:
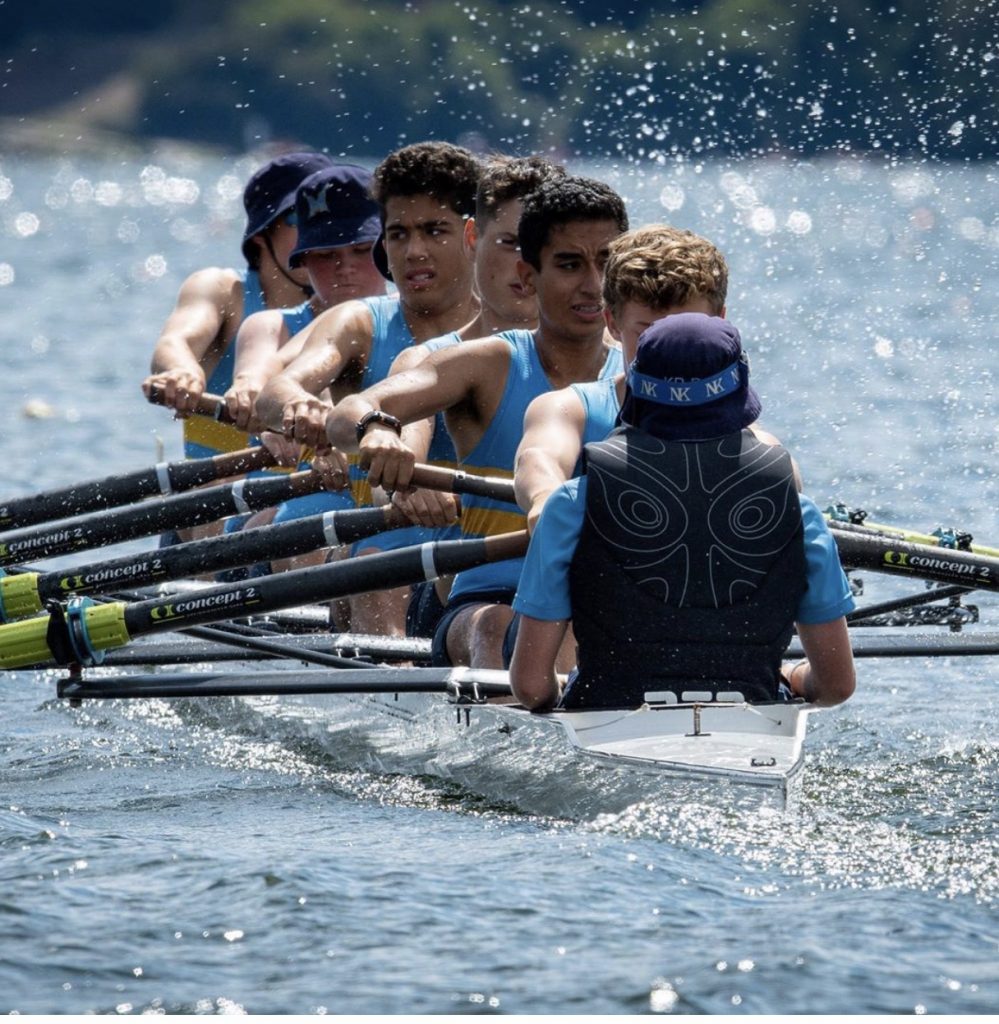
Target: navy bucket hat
(271, 191)
(690, 380)
(334, 208)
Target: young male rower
(685, 554)
(195, 351)
(504, 304)
(338, 224)
(651, 272)
(485, 386)
(425, 192)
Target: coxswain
(685, 555)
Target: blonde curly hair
(661, 266)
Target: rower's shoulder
(771, 439)
(220, 284)
(765, 436)
(351, 317)
(263, 323)
(561, 406)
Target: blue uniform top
(442, 451)
(390, 335)
(494, 456)
(297, 318)
(204, 437)
(600, 407)
(544, 584)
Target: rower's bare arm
(204, 315)
(462, 374)
(421, 506)
(828, 676)
(290, 402)
(418, 434)
(532, 669)
(259, 339)
(549, 449)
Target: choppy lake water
(191, 859)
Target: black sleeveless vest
(689, 569)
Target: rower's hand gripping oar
(212, 406)
(163, 479)
(85, 630)
(98, 529)
(29, 592)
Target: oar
(904, 603)
(920, 561)
(98, 529)
(439, 478)
(212, 406)
(855, 521)
(353, 645)
(27, 593)
(459, 682)
(164, 478)
(904, 644)
(85, 629)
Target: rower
(485, 386)
(652, 272)
(338, 224)
(685, 554)
(504, 304)
(425, 192)
(195, 351)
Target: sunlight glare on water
(244, 857)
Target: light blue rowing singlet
(204, 437)
(494, 456)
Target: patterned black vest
(688, 571)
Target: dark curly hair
(559, 201)
(511, 177)
(439, 169)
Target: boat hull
(505, 751)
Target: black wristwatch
(377, 416)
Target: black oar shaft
(198, 556)
(319, 583)
(81, 632)
(899, 557)
(212, 406)
(341, 681)
(202, 506)
(165, 478)
(439, 478)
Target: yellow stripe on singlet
(488, 522)
(209, 433)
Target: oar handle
(212, 406)
(440, 478)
